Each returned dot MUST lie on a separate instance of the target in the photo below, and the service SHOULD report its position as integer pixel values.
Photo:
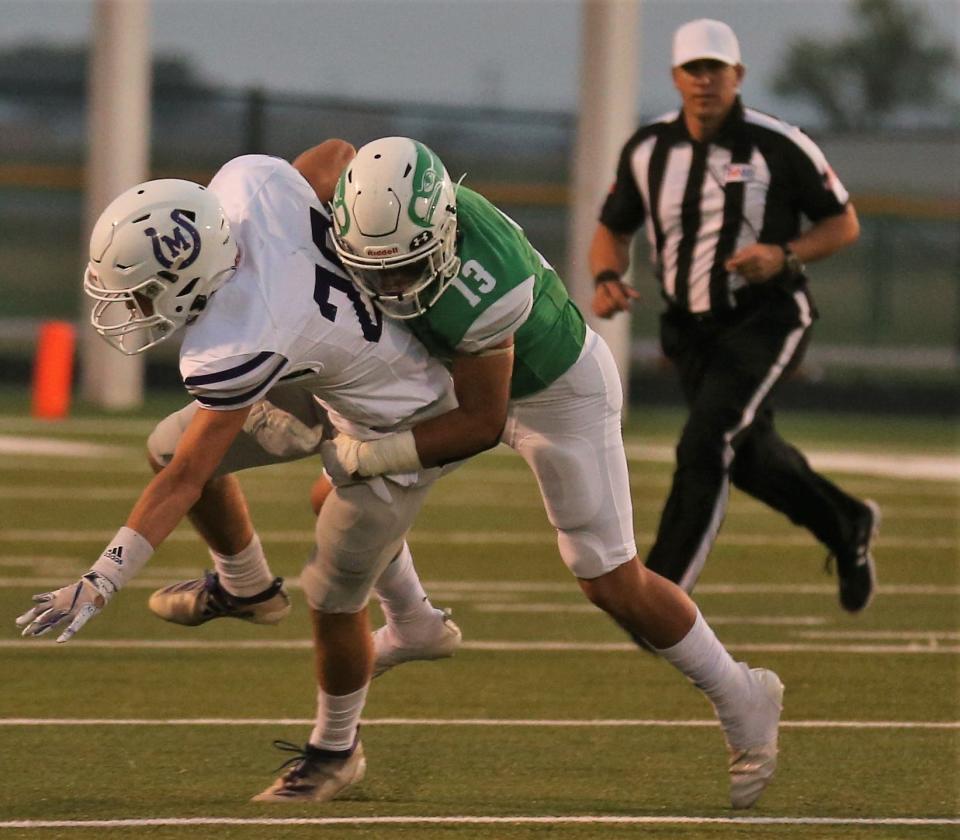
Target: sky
(487, 53)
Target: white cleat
(753, 763)
(436, 639)
(315, 775)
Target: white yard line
(542, 536)
(889, 635)
(12, 445)
(884, 465)
(480, 821)
(590, 609)
(900, 465)
(264, 495)
(479, 589)
(642, 723)
(43, 646)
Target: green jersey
(505, 287)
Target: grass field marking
(590, 609)
(12, 445)
(896, 635)
(542, 536)
(887, 465)
(264, 495)
(477, 589)
(640, 723)
(480, 820)
(26, 646)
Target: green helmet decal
(427, 186)
(340, 213)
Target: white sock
(338, 717)
(402, 596)
(706, 662)
(245, 574)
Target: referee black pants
(729, 368)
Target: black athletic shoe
(193, 602)
(855, 567)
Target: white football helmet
(157, 253)
(395, 225)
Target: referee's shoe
(855, 567)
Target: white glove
(78, 602)
(279, 432)
(347, 458)
(341, 458)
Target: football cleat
(194, 602)
(315, 775)
(856, 570)
(753, 763)
(437, 638)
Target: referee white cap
(705, 38)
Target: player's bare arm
(482, 385)
(321, 165)
(161, 506)
(610, 257)
(759, 262)
(176, 488)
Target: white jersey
(290, 312)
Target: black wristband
(605, 276)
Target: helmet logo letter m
(175, 244)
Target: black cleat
(855, 567)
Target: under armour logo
(420, 239)
(115, 553)
(168, 247)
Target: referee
(720, 190)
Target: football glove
(279, 432)
(347, 458)
(78, 602)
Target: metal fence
(892, 301)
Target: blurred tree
(48, 68)
(889, 65)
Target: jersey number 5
(372, 327)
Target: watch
(791, 262)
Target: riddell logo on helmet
(382, 251)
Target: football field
(547, 723)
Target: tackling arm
(482, 385)
(321, 166)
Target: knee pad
(358, 533)
(162, 441)
(342, 584)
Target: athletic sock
(700, 656)
(402, 596)
(245, 574)
(338, 717)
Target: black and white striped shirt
(702, 202)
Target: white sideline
(24, 646)
(494, 722)
(480, 820)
